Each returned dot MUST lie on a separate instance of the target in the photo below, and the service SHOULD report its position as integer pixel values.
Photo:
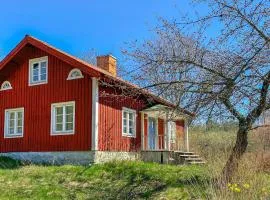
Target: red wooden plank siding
(110, 122)
(37, 101)
(180, 128)
(161, 133)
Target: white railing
(160, 143)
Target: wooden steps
(181, 157)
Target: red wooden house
(57, 107)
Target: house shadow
(9, 163)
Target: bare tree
(226, 75)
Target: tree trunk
(237, 152)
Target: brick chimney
(108, 63)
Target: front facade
(53, 104)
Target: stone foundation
(74, 158)
(156, 156)
(88, 157)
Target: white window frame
(31, 63)
(6, 129)
(77, 77)
(129, 111)
(7, 88)
(53, 125)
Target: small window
(129, 122)
(172, 131)
(6, 86)
(75, 74)
(14, 122)
(63, 118)
(38, 71)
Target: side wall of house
(110, 121)
(37, 100)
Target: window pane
(19, 115)
(125, 129)
(43, 77)
(69, 110)
(131, 123)
(11, 131)
(19, 130)
(131, 130)
(59, 111)
(69, 126)
(59, 119)
(11, 123)
(125, 115)
(59, 127)
(69, 118)
(125, 122)
(35, 78)
(43, 68)
(11, 115)
(75, 74)
(131, 116)
(19, 122)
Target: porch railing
(160, 143)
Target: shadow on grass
(9, 163)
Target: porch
(165, 136)
(164, 129)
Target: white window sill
(62, 133)
(38, 83)
(130, 136)
(13, 136)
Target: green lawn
(117, 180)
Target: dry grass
(252, 180)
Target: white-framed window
(14, 119)
(128, 122)
(74, 74)
(38, 71)
(63, 118)
(6, 86)
(172, 131)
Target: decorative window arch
(6, 86)
(75, 74)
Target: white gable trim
(95, 107)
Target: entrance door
(151, 133)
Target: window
(129, 122)
(14, 122)
(75, 74)
(6, 85)
(63, 121)
(172, 131)
(38, 71)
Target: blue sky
(78, 26)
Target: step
(189, 156)
(184, 153)
(193, 159)
(196, 163)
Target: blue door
(151, 133)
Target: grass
(115, 180)
(138, 180)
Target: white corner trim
(31, 62)
(95, 114)
(142, 131)
(77, 77)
